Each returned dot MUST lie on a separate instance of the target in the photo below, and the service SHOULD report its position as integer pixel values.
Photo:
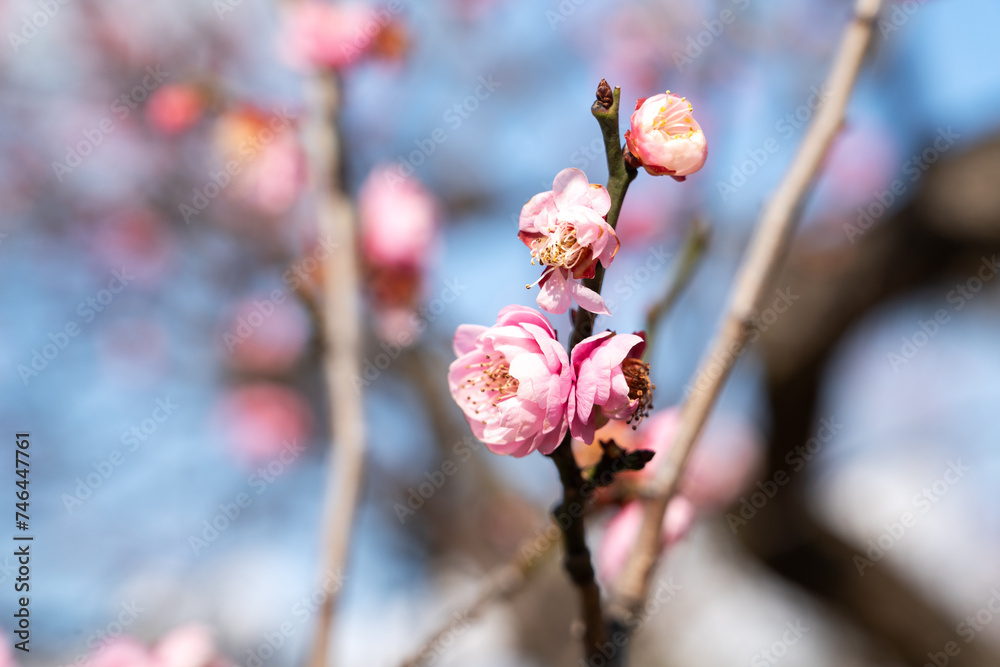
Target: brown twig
(765, 256)
(342, 337)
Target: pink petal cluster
(567, 233)
(260, 420)
(6, 659)
(187, 646)
(512, 382)
(600, 387)
(721, 465)
(665, 138)
(326, 34)
(399, 220)
(275, 178)
(174, 108)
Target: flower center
(640, 389)
(560, 248)
(495, 381)
(675, 120)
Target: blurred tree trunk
(951, 223)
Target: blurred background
(159, 340)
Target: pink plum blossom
(512, 382)
(665, 138)
(566, 231)
(721, 465)
(122, 652)
(609, 382)
(271, 156)
(398, 218)
(324, 34)
(273, 180)
(187, 646)
(174, 108)
(6, 659)
(399, 230)
(261, 420)
(264, 336)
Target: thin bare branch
(502, 584)
(342, 336)
(693, 250)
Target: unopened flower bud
(665, 138)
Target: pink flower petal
(554, 297)
(569, 186)
(465, 338)
(588, 299)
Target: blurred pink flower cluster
(399, 221)
(174, 108)
(338, 35)
(721, 465)
(267, 154)
(187, 646)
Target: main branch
(569, 514)
(342, 338)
